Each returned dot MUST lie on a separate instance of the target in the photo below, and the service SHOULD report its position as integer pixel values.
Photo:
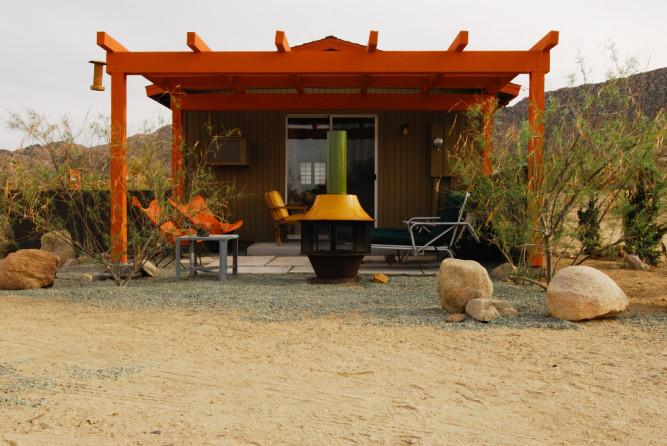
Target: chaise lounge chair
(435, 234)
(200, 216)
(280, 213)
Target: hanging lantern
(98, 73)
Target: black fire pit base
(335, 268)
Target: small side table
(222, 240)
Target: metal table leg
(222, 253)
(235, 256)
(178, 260)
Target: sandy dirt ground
(80, 374)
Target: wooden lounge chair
(435, 234)
(281, 215)
(200, 216)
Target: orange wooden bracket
(154, 90)
(460, 42)
(549, 41)
(372, 42)
(196, 44)
(107, 43)
(281, 42)
(431, 85)
(298, 83)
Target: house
(394, 105)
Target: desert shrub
(594, 143)
(588, 229)
(48, 200)
(642, 212)
(6, 235)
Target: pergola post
(488, 108)
(535, 156)
(177, 151)
(118, 167)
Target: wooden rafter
(106, 42)
(281, 42)
(372, 42)
(196, 44)
(547, 42)
(460, 42)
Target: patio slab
(264, 269)
(302, 270)
(391, 271)
(293, 261)
(271, 249)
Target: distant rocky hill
(95, 159)
(650, 87)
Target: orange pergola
(329, 74)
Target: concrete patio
(268, 258)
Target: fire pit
(336, 231)
(336, 235)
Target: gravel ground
(405, 300)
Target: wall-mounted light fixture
(405, 129)
(97, 75)
(438, 143)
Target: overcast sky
(46, 44)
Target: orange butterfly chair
(169, 230)
(199, 215)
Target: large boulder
(485, 310)
(28, 268)
(59, 243)
(460, 281)
(580, 292)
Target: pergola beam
(281, 42)
(326, 63)
(460, 42)
(326, 101)
(196, 44)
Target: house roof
(328, 74)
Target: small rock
(380, 278)
(500, 272)
(485, 310)
(86, 278)
(60, 244)
(149, 269)
(458, 317)
(636, 263)
(69, 263)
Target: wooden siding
(264, 132)
(404, 185)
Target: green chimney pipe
(337, 162)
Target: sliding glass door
(307, 157)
